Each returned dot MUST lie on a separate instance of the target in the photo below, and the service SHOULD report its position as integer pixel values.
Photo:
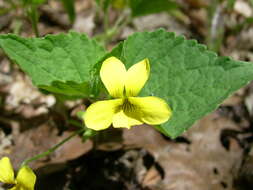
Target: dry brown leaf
(37, 140)
(200, 164)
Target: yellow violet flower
(126, 109)
(25, 179)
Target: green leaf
(69, 6)
(191, 79)
(144, 7)
(61, 63)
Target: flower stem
(106, 21)
(109, 33)
(49, 151)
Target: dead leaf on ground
(31, 142)
(199, 162)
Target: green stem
(34, 17)
(106, 21)
(49, 151)
(120, 23)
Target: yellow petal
(121, 120)
(25, 179)
(152, 110)
(99, 115)
(6, 171)
(137, 75)
(113, 74)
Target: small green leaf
(89, 133)
(144, 7)
(69, 6)
(80, 115)
(61, 63)
(191, 79)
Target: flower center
(127, 107)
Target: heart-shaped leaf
(191, 79)
(58, 63)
